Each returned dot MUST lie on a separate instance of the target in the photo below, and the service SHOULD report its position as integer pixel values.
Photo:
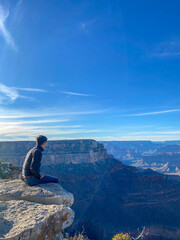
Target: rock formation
(110, 197)
(33, 213)
(162, 157)
(56, 152)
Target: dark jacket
(32, 162)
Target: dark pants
(32, 181)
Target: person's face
(44, 145)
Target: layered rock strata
(56, 152)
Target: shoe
(21, 177)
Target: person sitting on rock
(31, 166)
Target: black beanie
(41, 139)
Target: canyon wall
(56, 152)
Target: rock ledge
(38, 212)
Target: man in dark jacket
(31, 167)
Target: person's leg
(49, 179)
(32, 181)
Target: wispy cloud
(29, 89)
(167, 49)
(44, 112)
(10, 94)
(86, 24)
(32, 131)
(148, 137)
(34, 122)
(20, 2)
(3, 30)
(25, 124)
(152, 113)
(34, 115)
(140, 135)
(76, 94)
(51, 84)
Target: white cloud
(11, 94)
(166, 54)
(9, 123)
(86, 24)
(16, 124)
(3, 30)
(42, 112)
(20, 2)
(167, 49)
(140, 138)
(152, 113)
(30, 89)
(76, 94)
(19, 130)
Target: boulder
(51, 193)
(39, 212)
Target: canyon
(109, 196)
(163, 157)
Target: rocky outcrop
(46, 194)
(9, 170)
(38, 212)
(56, 152)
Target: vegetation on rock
(8, 170)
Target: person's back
(31, 166)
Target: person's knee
(55, 180)
(58, 181)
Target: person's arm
(36, 163)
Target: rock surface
(50, 193)
(33, 213)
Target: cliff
(56, 152)
(38, 212)
(110, 197)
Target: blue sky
(107, 70)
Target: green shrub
(79, 237)
(122, 236)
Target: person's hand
(42, 175)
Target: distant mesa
(56, 152)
